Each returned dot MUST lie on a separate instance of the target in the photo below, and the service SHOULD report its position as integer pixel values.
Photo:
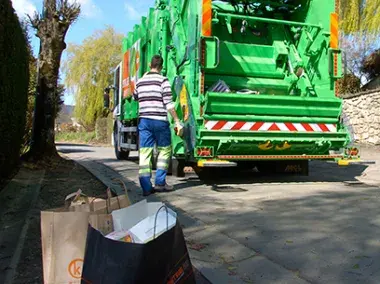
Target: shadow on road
(135, 160)
(319, 171)
(73, 150)
(64, 144)
(327, 237)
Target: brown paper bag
(79, 202)
(64, 233)
(63, 237)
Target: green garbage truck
(254, 83)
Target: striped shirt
(153, 92)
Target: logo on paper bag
(75, 268)
(180, 273)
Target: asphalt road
(250, 228)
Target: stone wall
(361, 113)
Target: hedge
(14, 78)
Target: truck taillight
(204, 152)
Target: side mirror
(106, 98)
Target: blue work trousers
(153, 132)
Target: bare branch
(34, 20)
(68, 12)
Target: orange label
(179, 273)
(126, 79)
(75, 268)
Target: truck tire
(122, 154)
(177, 167)
(204, 174)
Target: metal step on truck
(254, 83)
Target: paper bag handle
(125, 190)
(73, 196)
(155, 220)
(108, 202)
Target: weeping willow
(361, 16)
(89, 69)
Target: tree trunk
(51, 30)
(42, 144)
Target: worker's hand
(178, 128)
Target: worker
(153, 93)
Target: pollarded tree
(51, 28)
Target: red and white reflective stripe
(269, 126)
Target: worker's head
(156, 63)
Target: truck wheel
(177, 167)
(122, 154)
(203, 174)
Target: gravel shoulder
(20, 237)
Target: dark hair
(156, 62)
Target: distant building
(66, 116)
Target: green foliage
(88, 69)
(360, 16)
(76, 137)
(14, 78)
(31, 90)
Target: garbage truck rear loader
(254, 84)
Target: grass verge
(76, 137)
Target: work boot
(163, 188)
(147, 193)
